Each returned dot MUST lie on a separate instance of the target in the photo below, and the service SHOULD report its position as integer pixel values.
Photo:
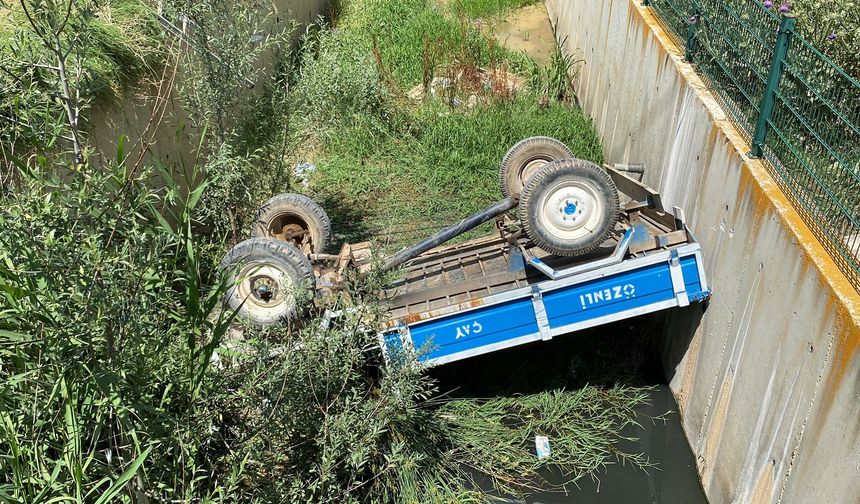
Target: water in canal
(626, 353)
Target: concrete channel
(768, 378)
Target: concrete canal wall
(768, 378)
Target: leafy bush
(106, 338)
(337, 81)
(554, 80)
(229, 42)
(227, 204)
(833, 27)
(107, 46)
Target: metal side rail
(568, 301)
(616, 257)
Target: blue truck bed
(490, 294)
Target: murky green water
(673, 481)
(625, 353)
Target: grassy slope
(485, 8)
(382, 172)
(122, 44)
(448, 169)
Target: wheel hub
(571, 210)
(265, 285)
(264, 292)
(531, 168)
(291, 228)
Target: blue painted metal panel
(475, 328)
(610, 295)
(625, 293)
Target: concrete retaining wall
(768, 378)
(141, 109)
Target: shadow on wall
(679, 328)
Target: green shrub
(107, 47)
(337, 82)
(105, 340)
(818, 19)
(554, 80)
(489, 8)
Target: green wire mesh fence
(798, 109)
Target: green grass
(489, 8)
(443, 168)
(408, 30)
(392, 169)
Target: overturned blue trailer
(577, 245)
(499, 292)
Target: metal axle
(450, 232)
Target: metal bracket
(615, 258)
(635, 189)
(677, 274)
(405, 335)
(680, 218)
(517, 261)
(540, 314)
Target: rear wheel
(525, 159)
(269, 280)
(296, 219)
(570, 207)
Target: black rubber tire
(297, 212)
(534, 149)
(278, 255)
(559, 174)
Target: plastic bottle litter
(542, 447)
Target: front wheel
(269, 280)
(569, 207)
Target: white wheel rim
(571, 210)
(263, 286)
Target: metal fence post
(692, 28)
(777, 66)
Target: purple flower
(784, 7)
(768, 4)
(693, 19)
(832, 36)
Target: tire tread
(307, 208)
(538, 144)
